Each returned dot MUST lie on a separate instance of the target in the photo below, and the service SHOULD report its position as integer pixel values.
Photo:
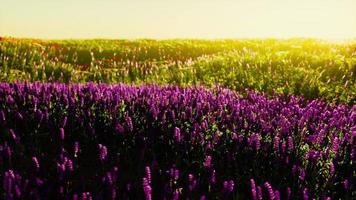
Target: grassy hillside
(312, 68)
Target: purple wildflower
(113, 193)
(13, 134)
(177, 134)
(231, 186)
(2, 117)
(35, 163)
(335, 145)
(19, 116)
(213, 177)
(289, 193)
(119, 128)
(346, 184)
(129, 123)
(147, 189)
(276, 142)
(270, 191)
(207, 162)
(253, 189)
(225, 185)
(290, 144)
(103, 152)
(76, 149)
(277, 194)
(148, 174)
(17, 191)
(305, 194)
(176, 195)
(259, 193)
(301, 174)
(61, 133)
(331, 168)
(176, 175)
(192, 182)
(69, 165)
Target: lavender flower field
(178, 100)
(118, 141)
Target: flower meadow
(305, 67)
(117, 141)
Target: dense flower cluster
(98, 141)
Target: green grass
(312, 68)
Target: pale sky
(163, 19)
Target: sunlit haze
(333, 19)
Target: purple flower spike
(270, 191)
(64, 122)
(129, 123)
(148, 174)
(231, 186)
(276, 142)
(301, 174)
(7, 182)
(13, 134)
(70, 165)
(176, 175)
(177, 134)
(35, 163)
(289, 193)
(331, 169)
(335, 144)
(176, 195)
(61, 133)
(259, 193)
(2, 117)
(191, 180)
(39, 182)
(253, 189)
(290, 144)
(17, 191)
(109, 178)
(346, 184)
(207, 162)
(113, 193)
(225, 185)
(305, 194)
(147, 189)
(76, 149)
(213, 177)
(10, 100)
(19, 116)
(277, 194)
(119, 128)
(103, 152)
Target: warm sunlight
(178, 18)
(177, 99)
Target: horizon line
(181, 38)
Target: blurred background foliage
(307, 67)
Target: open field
(312, 68)
(177, 119)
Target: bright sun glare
(334, 19)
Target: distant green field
(312, 68)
